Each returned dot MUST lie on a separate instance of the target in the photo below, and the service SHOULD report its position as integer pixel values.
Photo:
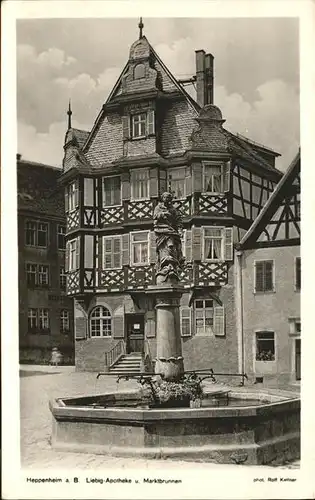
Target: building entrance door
(135, 332)
(298, 359)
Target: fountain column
(168, 291)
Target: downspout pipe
(239, 310)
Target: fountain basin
(263, 429)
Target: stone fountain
(257, 428)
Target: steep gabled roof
(38, 190)
(80, 136)
(157, 60)
(281, 194)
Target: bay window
(111, 191)
(217, 243)
(215, 177)
(72, 255)
(176, 182)
(72, 196)
(140, 184)
(140, 248)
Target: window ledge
(112, 206)
(139, 199)
(213, 193)
(268, 292)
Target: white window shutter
(226, 176)
(66, 199)
(151, 122)
(78, 252)
(67, 257)
(125, 249)
(219, 321)
(126, 126)
(76, 184)
(188, 245)
(152, 247)
(196, 243)
(188, 181)
(228, 243)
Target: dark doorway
(298, 359)
(135, 332)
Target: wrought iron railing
(115, 353)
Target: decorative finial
(69, 113)
(141, 26)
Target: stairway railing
(116, 352)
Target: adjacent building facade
(45, 312)
(151, 136)
(268, 265)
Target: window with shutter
(298, 273)
(185, 321)
(152, 247)
(187, 248)
(264, 276)
(196, 243)
(177, 182)
(228, 243)
(111, 191)
(213, 178)
(151, 122)
(78, 252)
(226, 180)
(153, 174)
(219, 321)
(139, 125)
(140, 184)
(140, 248)
(100, 322)
(111, 252)
(126, 127)
(197, 178)
(125, 250)
(213, 243)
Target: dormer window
(138, 125)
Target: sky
(256, 74)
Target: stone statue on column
(168, 231)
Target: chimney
(204, 78)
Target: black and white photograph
(158, 254)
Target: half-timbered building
(268, 265)
(151, 136)
(45, 311)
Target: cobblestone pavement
(38, 385)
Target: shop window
(100, 322)
(265, 346)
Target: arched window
(139, 71)
(100, 322)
